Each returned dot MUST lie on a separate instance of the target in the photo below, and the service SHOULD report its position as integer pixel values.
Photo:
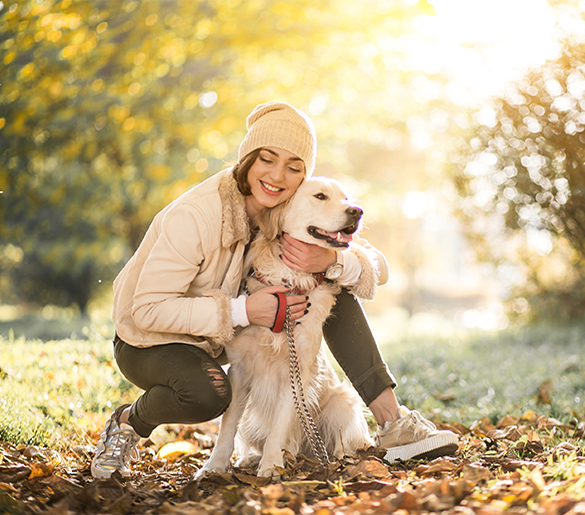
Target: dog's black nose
(354, 211)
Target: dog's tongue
(339, 236)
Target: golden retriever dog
(261, 421)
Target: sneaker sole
(98, 473)
(432, 447)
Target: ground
(524, 464)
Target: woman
(176, 301)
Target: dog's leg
(273, 455)
(219, 460)
(341, 422)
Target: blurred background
(459, 125)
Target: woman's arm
(160, 301)
(365, 267)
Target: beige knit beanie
(277, 124)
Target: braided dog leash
(309, 426)
(283, 321)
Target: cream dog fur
(261, 420)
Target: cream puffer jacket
(178, 285)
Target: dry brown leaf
(368, 486)
(369, 468)
(476, 474)
(456, 427)
(507, 420)
(10, 474)
(545, 391)
(252, 480)
(508, 433)
(8, 487)
(437, 466)
(482, 428)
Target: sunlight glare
(484, 44)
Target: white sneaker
(414, 437)
(117, 445)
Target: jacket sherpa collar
(235, 225)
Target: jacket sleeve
(160, 301)
(374, 269)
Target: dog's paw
(210, 468)
(250, 461)
(270, 472)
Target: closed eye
(320, 196)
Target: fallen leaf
(370, 468)
(40, 470)
(476, 474)
(529, 416)
(529, 443)
(231, 494)
(362, 486)
(13, 474)
(545, 391)
(510, 432)
(482, 428)
(507, 420)
(253, 480)
(456, 427)
(173, 450)
(8, 487)
(438, 466)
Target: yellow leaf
(529, 416)
(173, 450)
(40, 470)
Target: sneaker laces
(117, 446)
(409, 420)
(421, 425)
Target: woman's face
(273, 178)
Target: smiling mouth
(339, 239)
(271, 188)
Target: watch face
(334, 272)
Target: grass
(466, 375)
(60, 391)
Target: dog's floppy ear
(270, 221)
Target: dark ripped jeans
(185, 385)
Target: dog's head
(319, 213)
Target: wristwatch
(336, 269)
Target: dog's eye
(320, 196)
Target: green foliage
(110, 110)
(522, 183)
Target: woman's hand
(304, 257)
(261, 306)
